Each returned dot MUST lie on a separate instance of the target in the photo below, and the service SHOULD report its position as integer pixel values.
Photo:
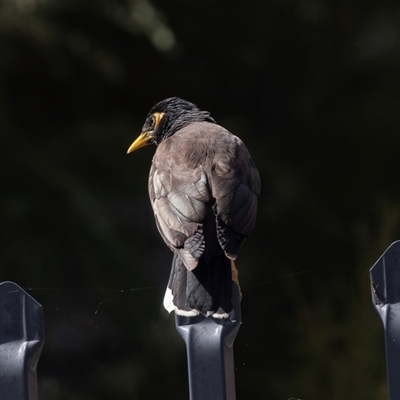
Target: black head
(167, 117)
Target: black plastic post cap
(385, 289)
(21, 342)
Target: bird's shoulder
(202, 143)
(190, 146)
(205, 146)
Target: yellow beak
(143, 140)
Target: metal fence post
(21, 342)
(209, 345)
(385, 288)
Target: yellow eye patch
(158, 116)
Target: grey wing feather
(179, 197)
(236, 186)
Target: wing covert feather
(236, 186)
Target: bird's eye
(152, 120)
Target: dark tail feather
(206, 290)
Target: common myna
(203, 187)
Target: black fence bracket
(209, 345)
(385, 289)
(21, 342)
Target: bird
(204, 188)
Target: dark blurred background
(312, 87)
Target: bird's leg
(235, 277)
